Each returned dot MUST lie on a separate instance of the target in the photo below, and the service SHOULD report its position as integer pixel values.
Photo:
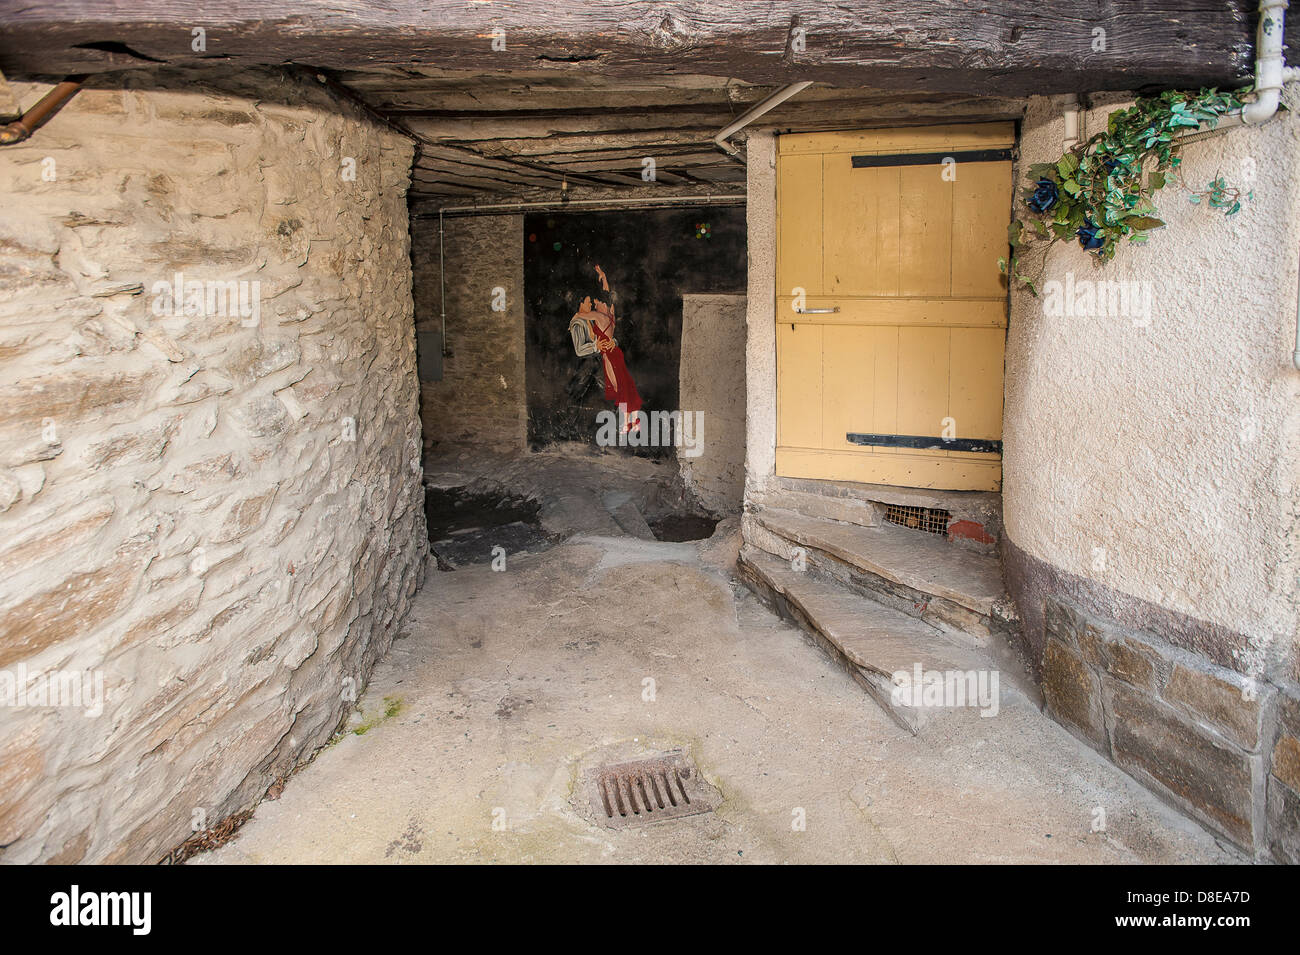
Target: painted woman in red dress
(619, 386)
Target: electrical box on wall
(428, 355)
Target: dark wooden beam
(505, 180)
(395, 95)
(484, 127)
(1010, 47)
(430, 171)
(667, 124)
(424, 145)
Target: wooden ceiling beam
(484, 128)
(634, 163)
(535, 148)
(660, 151)
(429, 177)
(1012, 47)
(400, 101)
(426, 171)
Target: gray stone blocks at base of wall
(1220, 746)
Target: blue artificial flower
(1088, 237)
(1044, 197)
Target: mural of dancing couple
(592, 330)
(603, 293)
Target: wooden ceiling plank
(1013, 47)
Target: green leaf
(1144, 223)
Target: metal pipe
(1070, 113)
(49, 104)
(442, 282)
(716, 199)
(1295, 357)
(755, 111)
(1229, 120)
(1270, 68)
(1271, 73)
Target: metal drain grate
(648, 790)
(932, 520)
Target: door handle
(816, 311)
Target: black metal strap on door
(922, 443)
(931, 159)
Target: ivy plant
(1100, 191)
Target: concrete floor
(507, 684)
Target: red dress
(622, 391)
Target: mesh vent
(932, 520)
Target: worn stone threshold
(915, 560)
(985, 507)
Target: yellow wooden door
(891, 311)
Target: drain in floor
(649, 790)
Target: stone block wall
(213, 515)
(482, 397)
(712, 382)
(1202, 736)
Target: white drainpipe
(1070, 113)
(1270, 69)
(751, 114)
(1271, 72)
(1295, 356)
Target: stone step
(954, 588)
(841, 506)
(627, 515)
(872, 641)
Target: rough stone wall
(712, 382)
(481, 398)
(220, 519)
(1150, 484)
